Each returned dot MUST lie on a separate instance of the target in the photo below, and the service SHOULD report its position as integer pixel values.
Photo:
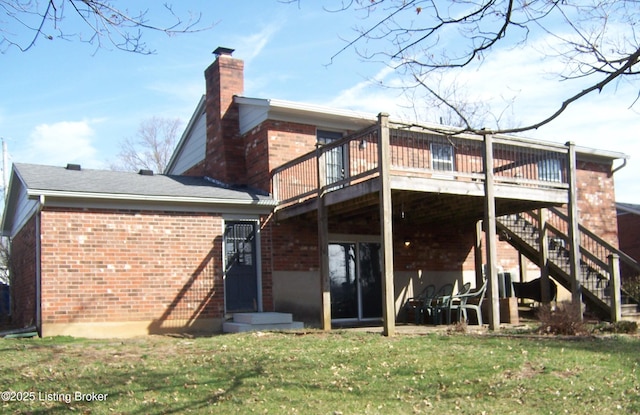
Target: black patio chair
(415, 305)
(432, 308)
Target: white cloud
(368, 96)
(60, 143)
(252, 45)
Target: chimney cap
(223, 51)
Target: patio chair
(431, 308)
(470, 301)
(415, 305)
(444, 308)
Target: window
(335, 158)
(441, 156)
(550, 170)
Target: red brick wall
(295, 245)
(23, 284)
(596, 200)
(272, 144)
(197, 170)
(629, 230)
(434, 248)
(101, 265)
(257, 158)
(266, 252)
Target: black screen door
(241, 276)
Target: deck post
(477, 253)
(323, 242)
(522, 271)
(614, 286)
(574, 231)
(490, 234)
(544, 255)
(386, 228)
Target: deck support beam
(574, 230)
(543, 244)
(614, 286)
(386, 227)
(323, 243)
(490, 234)
(477, 254)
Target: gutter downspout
(620, 167)
(38, 267)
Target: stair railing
(600, 261)
(595, 250)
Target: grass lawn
(323, 373)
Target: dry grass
(326, 373)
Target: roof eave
(37, 193)
(322, 117)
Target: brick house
(331, 215)
(629, 234)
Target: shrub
(459, 327)
(564, 320)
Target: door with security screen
(241, 272)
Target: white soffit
(254, 111)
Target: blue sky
(63, 101)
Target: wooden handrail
(623, 257)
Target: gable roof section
(31, 183)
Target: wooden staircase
(522, 231)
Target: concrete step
(262, 318)
(232, 327)
(243, 322)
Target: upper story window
(335, 159)
(550, 170)
(442, 157)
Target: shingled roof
(73, 186)
(54, 180)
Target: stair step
(243, 322)
(263, 318)
(233, 327)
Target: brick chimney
(224, 157)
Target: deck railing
(419, 153)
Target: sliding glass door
(356, 285)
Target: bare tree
(152, 147)
(594, 40)
(23, 22)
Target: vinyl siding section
(193, 150)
